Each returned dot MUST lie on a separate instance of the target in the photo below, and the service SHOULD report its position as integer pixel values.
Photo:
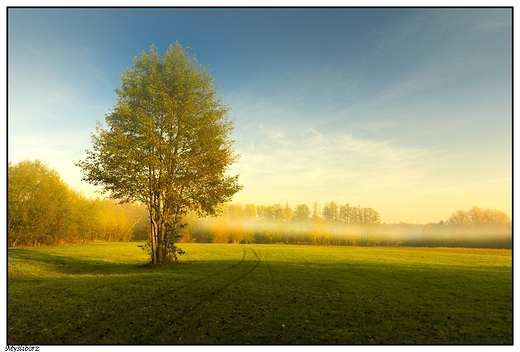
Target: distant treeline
(43, 210)
(473, 228)
(348, 226)
(332, 225)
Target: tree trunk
(154, 240)
(158, 240)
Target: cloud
(299, 96)
(274, 135)
(316, 165)
(402, 178)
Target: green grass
(104, 293)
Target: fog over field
(276, 224)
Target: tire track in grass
(257, 255)
(229, 267)
(213, 294)
(269, 267)
(229, 283)
(204, 280)
(187, 312)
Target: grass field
(103, 293)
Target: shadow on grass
(257, 300)
(68, 264)
(73, 265)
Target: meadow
(105, 293)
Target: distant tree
(480, 216)
(250, 216)
(371, 217)
(317, 225)
(302, 213)
(287, 213)
(276, 213)
(476, 216)
(250, 212)
(262, 212)
(220, 230)
(114, 223)
(355, 215)
(273, 221)
(233, 211)
(496, 217)
(344, 213)
(235, 215)
(460, 217)
(475, 227)
(38, 202)
(330, 211)
(86, 213)
(137, 216)
(315, 212)
(167, 146)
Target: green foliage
(37, 204)
(260, 294)
(43, 210)
(166, 144)
(302, 213)
(173, 250)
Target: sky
(407, 111)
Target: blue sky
(407, 111)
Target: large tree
(166, 145)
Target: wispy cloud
(275, 135)
(331, 165)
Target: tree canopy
(43, 210)
(167, 145)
